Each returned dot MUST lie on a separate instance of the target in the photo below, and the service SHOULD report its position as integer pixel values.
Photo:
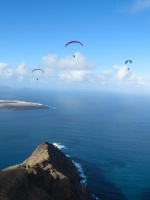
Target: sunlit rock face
(47, 174)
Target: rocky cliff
(46, 175)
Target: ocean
(107, 136)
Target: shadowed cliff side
(46, 175)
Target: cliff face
(46, 175)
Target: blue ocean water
(106, 134)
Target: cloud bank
(124, 74)
(73, 70)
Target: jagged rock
(46, 175)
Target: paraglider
(38, 70)
(130, 61)
(73, 41)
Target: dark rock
(46, 175)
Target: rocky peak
(48, 174)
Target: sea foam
(81, 173)
(59, 146)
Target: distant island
(21, 105)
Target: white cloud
(5, 72)
(70, 69)
(138, 80)
(86, 76)
(8, 73)
(3, 67)
(21, 71)
(50, 61)
(122, 72)
(140, 5)
(74, 75)
(102, 78)
(73, 63)
(73, 70)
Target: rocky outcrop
(46, 175)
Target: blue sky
(34, 34)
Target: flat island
(21, 105)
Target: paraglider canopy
(73, 41)
(38, 69)
(130, 61)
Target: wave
(81, 173)
(83, 177)
(59, 146)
